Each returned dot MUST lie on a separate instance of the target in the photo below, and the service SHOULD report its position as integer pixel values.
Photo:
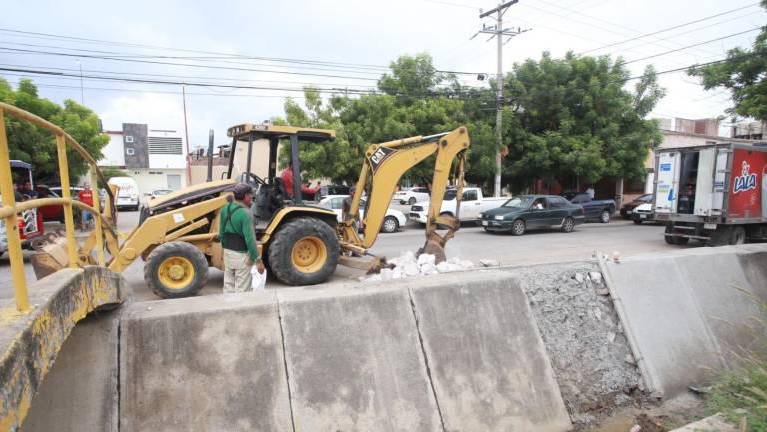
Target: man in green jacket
(238, 240)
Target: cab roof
(245, 130)
(20, 164)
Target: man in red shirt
(86, 197)
(287, 182)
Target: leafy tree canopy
(744, 73)
(37, 146)
(414, 101)
(573, 117)
(566, 117)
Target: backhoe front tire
(176, 269)
(304, 251)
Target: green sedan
(524, 212)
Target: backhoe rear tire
(176, 269)
(304, 251)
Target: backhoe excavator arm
(384, 166)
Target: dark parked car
(596, 210)
(524, 212)
(630, 206)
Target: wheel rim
(518, 227)
(569, 225)
(390, 225)
(309, 254)
(605, 216)
(176, 272)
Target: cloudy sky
(277, 47)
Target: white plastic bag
(259, 279)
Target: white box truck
(715, 193)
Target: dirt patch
(653, 417)
(590, 354)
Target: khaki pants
(237, 277)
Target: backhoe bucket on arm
(384, 166)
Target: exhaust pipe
(210, 156)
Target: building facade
(155, 158)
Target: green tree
(572, 117)
(744, 74)
(37, 146)
(415, 99)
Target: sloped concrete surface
(355, 363)
(689, 313)
(79, 394)
(30, 341)
(211, 363)
(488, 364)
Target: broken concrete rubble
(407, 265)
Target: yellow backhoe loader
(177, 235)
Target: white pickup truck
(472, 204)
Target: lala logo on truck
(745, 181)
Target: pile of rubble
(407, 265)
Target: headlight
(499, 218)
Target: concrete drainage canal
(545, 348)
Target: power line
(227, 55)
(157, 47)
(706, 27)
(670, 28)
(116, 54)
(209, 85)
(691, 46)
(151, 81)
(624, 29)
(183, 77)
(480, 91)
(183, 64)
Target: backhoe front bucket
(51, 257)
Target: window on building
(128, 138)
(130, 151)
(165, 145)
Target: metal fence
(9, 209)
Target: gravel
(589, 351)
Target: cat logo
(379, 156)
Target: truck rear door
(720, 177)
(704, 182)
(667, 183)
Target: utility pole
(499, 33)
(82, 95)
(186, 138)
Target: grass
(741, 395)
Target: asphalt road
(470, 243)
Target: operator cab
(270, 192)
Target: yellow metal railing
(10, 208)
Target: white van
(128, 194)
